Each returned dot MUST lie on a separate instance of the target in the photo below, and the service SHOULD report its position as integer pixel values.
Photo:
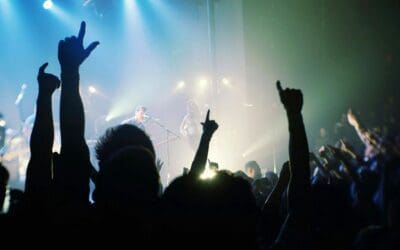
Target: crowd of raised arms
(336, 200)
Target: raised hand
(159, 164)
(71, 52)
(200, 158)
(292, 99)
(48, 83)
(352, 119)
(209, 126)
(346, 147)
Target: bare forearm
(297, 224)
(298, 149)
(71, 112)
(200, 159)
(74, 150)
(42, 136)
(299, 187)
(39, 172)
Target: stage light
(129, 4)
(48, 4)
(202, 85)
(92, 90)
(225, 81)
(203, 82)
(2, 123)
(180, 85)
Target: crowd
(331, 199)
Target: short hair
(225, 204)
(121, 136)
(129, 173)
(254, 165)
(140, 107)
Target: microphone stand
(168, 133)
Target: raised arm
(75, 168)
(368, 138)
(299, 187)
(270, 213)
(355, 122)
(200, 159)
(299, 195)
(273, 201)
(39, 171)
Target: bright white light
(129, 4)
(2, 123)
(47, 4)
(92, 90)
(203, 82)
(202, 85)
(208, 174)
(180, 85)
(225, 81)
(108, 118)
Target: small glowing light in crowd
(208, 174)
(47, 4)
(180, 85)
(225, 81)
(92, 89)
(2, 123)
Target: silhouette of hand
(48, 83)
(159, 164)
(352, 119)
(209, 126)
(292, 99)
(71, 52)
(213, 165)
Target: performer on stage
(191, 124)
(139, 119)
